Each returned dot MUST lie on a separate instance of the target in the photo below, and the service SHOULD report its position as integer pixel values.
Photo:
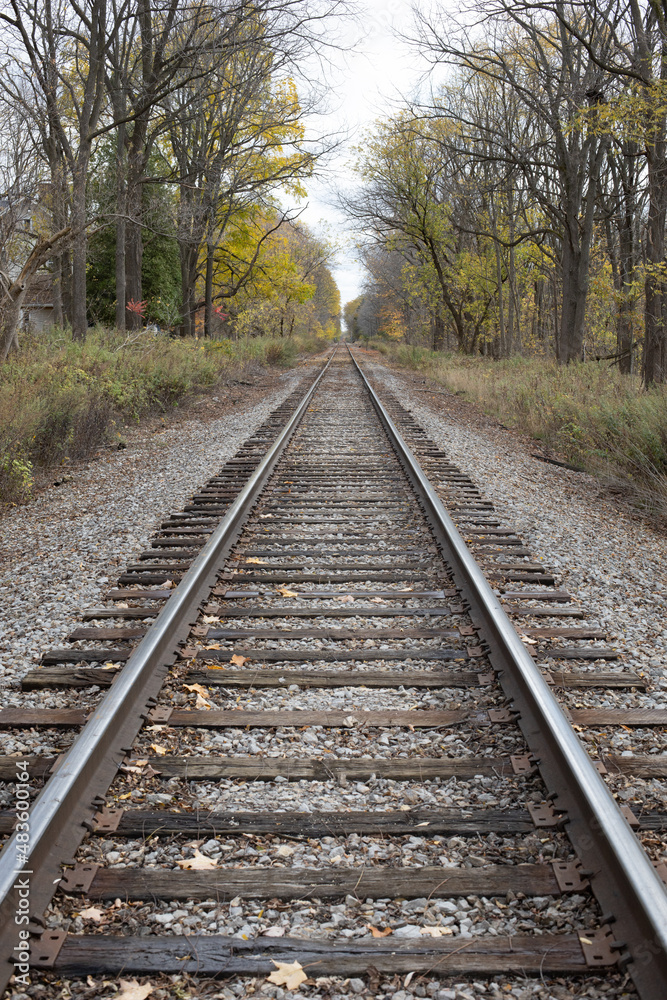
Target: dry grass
(587, 414)
(60, 400)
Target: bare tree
(559, 84)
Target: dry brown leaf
(130, 989)
(345, 599)
(257, 562)
(528, 640)
(199, 863)
(238, 660)
(167, 585)
(214, 645)
(284, 592)
(436, 932)
(202, 704)
(159, 750)
(135, 767)
(92, 913)
(377, 933)
(287, 974)
(199, 688)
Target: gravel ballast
(61, 552)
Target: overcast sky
(367, 81)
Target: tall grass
(61, 400)
(588, 414)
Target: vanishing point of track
(321, 580)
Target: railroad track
(304, 730)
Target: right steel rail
(622, 877)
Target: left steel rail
(59, 817)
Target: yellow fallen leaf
(238, 660)
(287, 974)
(199, 862)
(131, 990)
(160, 751)
(257, 562)
(199, 688)
(284, 592)
(377, 933)
(526, 639)
(214, 645)
(121, 798)
(92, 913)
(585, 940)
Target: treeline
(522, 207)
(146, 147)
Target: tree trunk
(134, 245)
(79, 247)
(654, 287)
(208, 298)
(438, 330)
(121, 223)
(573, 309)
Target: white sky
(367, 81)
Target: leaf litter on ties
(199, 862)
(130, 989)
(289, 974)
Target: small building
(37, 309)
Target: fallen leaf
(210, 619)
(284, 851)
(345, 599)
(528, 640)
(121, 798)
(92, 913)
(284, 592)
(287, 974)
(239, 660)
(376, 600)
(199, 688)
(377, 933)
(160, 751)
(585, 940)
(202, 704)
(436, 931)
(135, 767)
(214, 645)
(198, 863)
(257, 562)
(131, 990)
(167, 585)
(274, 932)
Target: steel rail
(622, 877)
(66, 804)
